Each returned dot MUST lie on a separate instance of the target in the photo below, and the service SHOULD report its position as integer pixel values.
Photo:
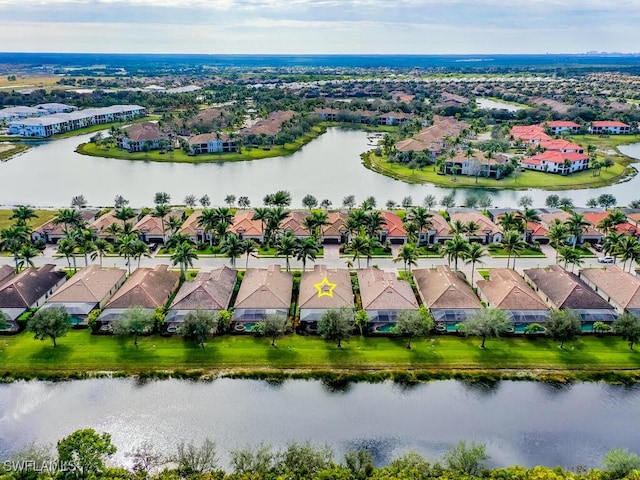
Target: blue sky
(320, 26)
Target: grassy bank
(179, 156)
(43, 217)
(80, 351)
(7, 152)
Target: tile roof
(609, 123)
(622, 287)
(105, 221)
(144, 131)
(336, 221)
(440, 225)
(561, 145)
(381, 290)
(560, 124)
(29, 286)
(191, 225)
(244, 220)
(91, 284)
(341, 294)
(554, 156)
(267, 288)
(482, 220)
(6, 273)
(393, 224)
(208, 291)
(441, 287)
(508, 291)
(565, 289)
(147, 288)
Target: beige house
(619, 288)
(244, 226)
(488, 232)
(322, 289)
(103, 222)
(263, 291)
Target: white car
(606, 259)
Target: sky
(320, 26)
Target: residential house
(327, 114)
(475, 165)
(29, 289)
(148, 288)
(395, 118)
(619, 288)
(447, 295)
(155, 229)
(192, 228)
(448, 100)
(553, 161)
(561, 290)
(508, 291)
(245, 227)
(433, 139)
(626, 228)
(561, 145)
(322, 289)
(89, 289)
(384, 297)
(7, 272)
(209, 292)
(488, 232)
(52, 108)
(439, 231)
(294, 223)
(100, 225)
(270, 125)
(144, 136)
(528, 134)
(535, 232)
(393, 230)
(263, 291)
(51, 231)
(589, 234)
(211, 143)
(558, 127)
(335, 232)
(608, 127)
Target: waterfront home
(322, 289)
(270, 125)
(558, 127)
(211, 143)
(29, 289)
(536, 232)
(148, 288)
(560, 289)
(508, 291)
(395, 118)
(619, 288)
(554, 161)
(192, 228)
(609, 127)
(155, 229)
(51, 231)
(561, 145)
(393, 230)
(439, 231)
(100, 225)
(528, 134)
(52, 107)
(245, 227)
(9, 114)
(294, 223)
(433, 139)
(475, 165)
(626, 228)
(209, 291)
(384, 297)
(589, 234)
(335, 232)
(89, 289)
(144, 136)
(488, 232)
(263, 291)
(447, 295)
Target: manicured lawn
(522, 180)
(529, 252)
(43, 216)
(81, 351)
(180, 156)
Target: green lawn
(10, 151)
(82, 352)
(180, 156)
(43, 216)
(529, 252)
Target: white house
(211, 143)
(609, 127)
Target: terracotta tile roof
(208, 291)
(145, 131)
(529, 132)
(440, 225)
(561, 145)
(342, 293)
(208, 137)
(565, 290)
(381, 290)
(105, 221)
(29, 286)
(482, 220)
(89, 285)
(622, 287)
(411, 145)
(609, 123)
(271, 125)
(265, 288)
(191, 227)
(53, 228)
(293, 223)
(560, 124)
(393, 225)
(150, 225)
(336, 221)
(548, 219)
(440, 287)
(243, 220)
(508, 291)
(554, 156)
(536, 229)
(147, 288)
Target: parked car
(597, 247)
(606, 259)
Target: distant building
(608, 127)
(558, 127)
(211, 143)
(143, 136)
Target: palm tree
(576, 225)
(139, 250)
(514, 245)
(557, 235)
(374, 222)
(114, 230)
(458, 228)
(408, 254)
(26, 254)
(102, 248)
(275, 217)
(174, 224)
(69, 218)
(320, 219)
(455, 248)
(373, 244)
(306, 248)
(286, 246)
(12, 239)
(231, 246)
(628, 248)
(359, 246)
(614, 218)
(473, 255)
(184, 255)
(249, 247)
(420, 216)
(570, 256)
(85, 241)
(207, 221)
(261, 214)
(510, 221)
(161, 211)
(610, 243)
(471, 229)
(529, 215)
(23, 214)
(66, 249)
(125, 246)
(124, 213)
(176, 239)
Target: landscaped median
(80, 353)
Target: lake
(489, 104)
(522, 423)
(51, 173)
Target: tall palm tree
(610, 243)
(628, 248)
(139, 250)
(161, 211)
(184, 255)
(26, 254)
(408, 255)
(12, 239)
(231, 246)
(557, 234)
(23, 214)
(261, 214)
(113, 230)
(576, 225)
(207, 220)
(374, 222)
(249, 247)
(510, 221)
(420, 216)
(455, 249)
(356, 220)
(471, 228)
(174, 224)
(66, 249)
(529, 215)
(306, 248)
(125, 246)
(85, 241)
(69, 218)
(359, 246)
(320, 219)
(570, 256)
(473, 255)
(102, 248)
(513, 244)
(275, 217)
(286, 246)
(458, 228)
(124, 213)
(614, 218)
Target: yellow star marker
(325, 288)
